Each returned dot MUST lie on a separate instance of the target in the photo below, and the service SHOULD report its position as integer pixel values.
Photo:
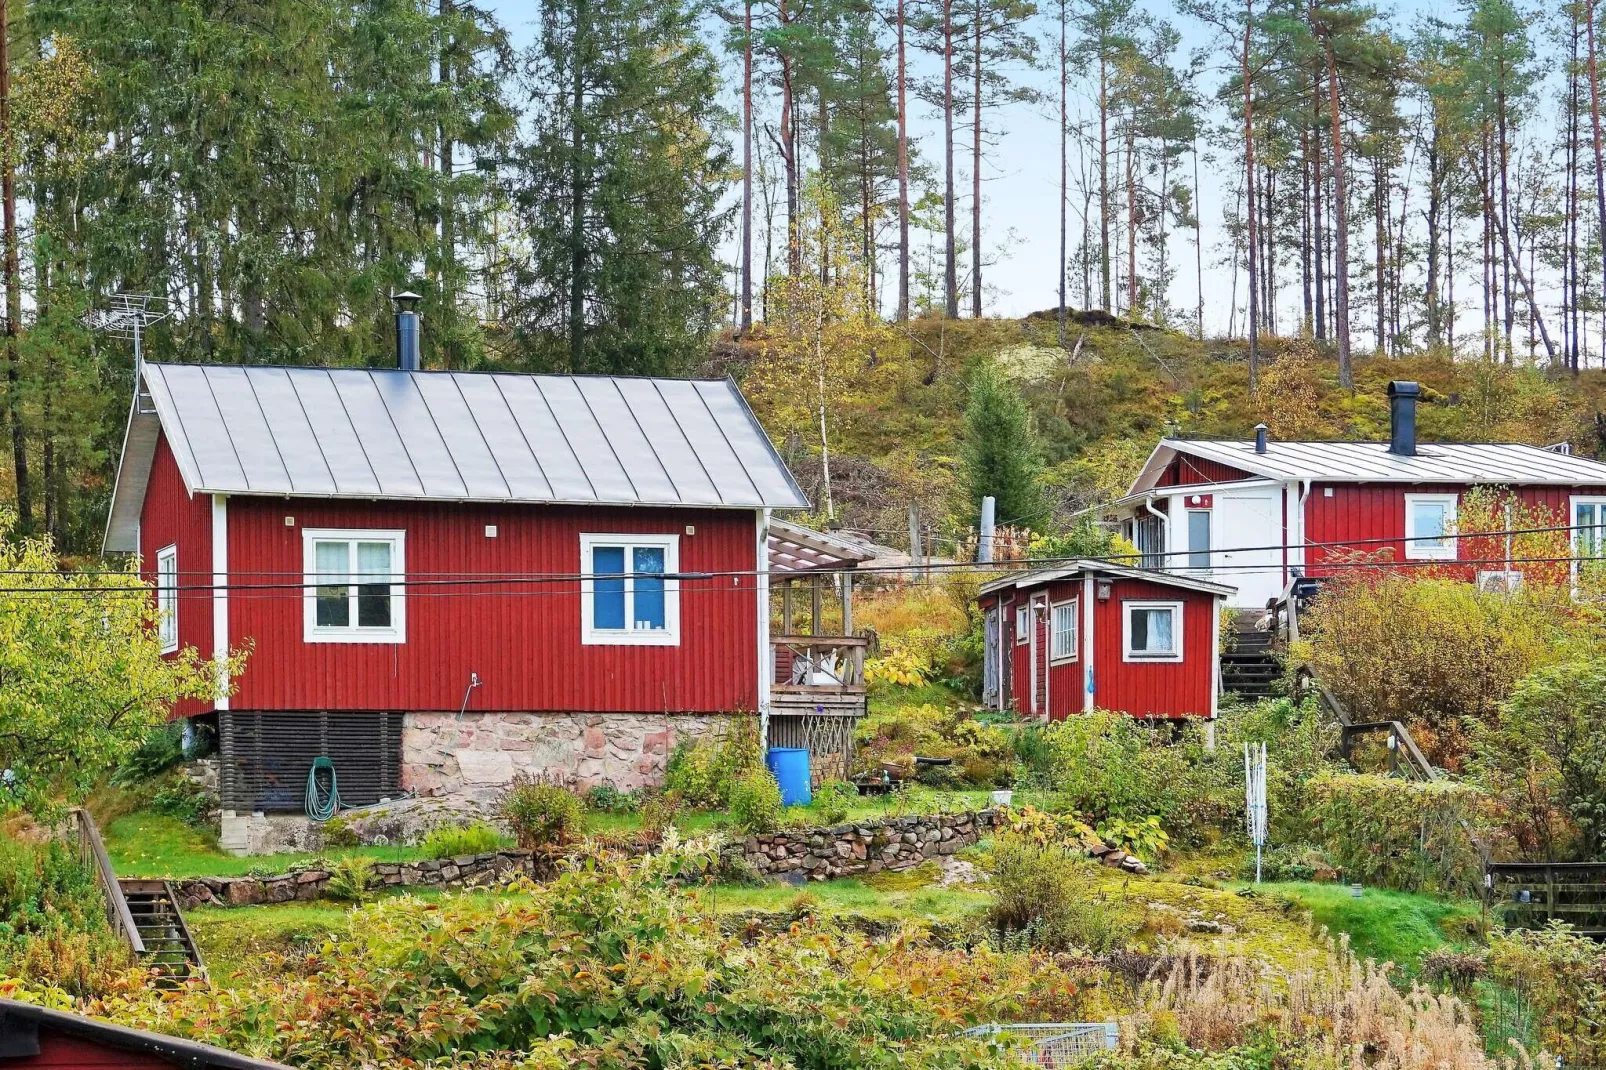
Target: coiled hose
(321, 805)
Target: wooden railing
(837, 657)
(1529, 895)
(1404, 755)
(93, 852)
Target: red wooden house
(1258, 513)
(34, 1037)
(444, 578)
(1093, 635)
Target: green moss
(233, 940)
(1397, 927)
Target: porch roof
(795, 548)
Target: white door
(1248, 539)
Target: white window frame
(669, 634)
(1599, 502)
(1416, 552)
(1128, 654)
(1074, 606)
(312, 632)
(167, 597)
(1023, 623)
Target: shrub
(833, 799)
(182, 798)
(1045, 896)
(1395, 833)
(449, 841)
(607, 799)
(1142, 837)
(1289, 862)
(541, 814)
(1561, 978)
(338, 832)
(658, 813)
(351, 879)
(702, 769)
(53, 927)
(1460, 657)
(158, 751)
(755, 802)
(1544, 760)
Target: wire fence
(1055, 1044)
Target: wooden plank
(122, 918)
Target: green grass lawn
(903, 895)
(1397, 927)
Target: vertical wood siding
(1154, 688)
(62, 1052)
(1186, 471)
(1356, 512)
(170, 517)
(1142, 689)
(522, 639)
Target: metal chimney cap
(406, 300)
(1260, 438)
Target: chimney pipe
(1402, 417)
(407, 328)
(1260, 438)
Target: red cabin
(32, 1038)
(1260, 513)
(446, 578)
(1099, 636)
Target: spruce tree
(1000, 453)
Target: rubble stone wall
(476, 754)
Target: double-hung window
(1589, 527)
(167, 598)
(355, 586)
(1023, 623)
(1151, 631)
(1062, 621)
(627, 595)
(1430, 527)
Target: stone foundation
(476, 754)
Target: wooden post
(847, 603)
(786, 606)
(914, 537)
(816, 594)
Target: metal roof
(1371, 462)
(1037, 576)
(384, 433)
(20, 1024)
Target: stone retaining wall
(462, 872)
(868, 847)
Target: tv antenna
(127, 317)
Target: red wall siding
(1143, 689)
(1356, 512)
(68, 1053)
(1186, 471)
(1154, 689)
(522, 640)
(170, 517)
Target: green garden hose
(319, 805)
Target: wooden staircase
(168, 946)
(1251, 667)
(143, 912)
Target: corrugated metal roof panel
(386, 433)
(1371, 462)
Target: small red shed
(35, 1037)
(1092, 635)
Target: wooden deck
(1530, 895)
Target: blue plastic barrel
(790, 767)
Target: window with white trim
(1062, 631)
(627, 595)
(1023, 623)
(167, 598)
(1151, 631)
(356, 586)
(1589, 527)
(1430, 527)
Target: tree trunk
(1131, 227)
(1064, 174)
(1595, 132)
(1104, 181)
(950, 253)
(448, 254)
(1198, 243)
(577, 198)
(903, 176)
(1430, 294)
(1502, 158)
(13, 282)
(1304, 230)
(1319, 232)
(746, 319)
(975, 173)
(1346, 375)
(1253, 322)
(1380, 254)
